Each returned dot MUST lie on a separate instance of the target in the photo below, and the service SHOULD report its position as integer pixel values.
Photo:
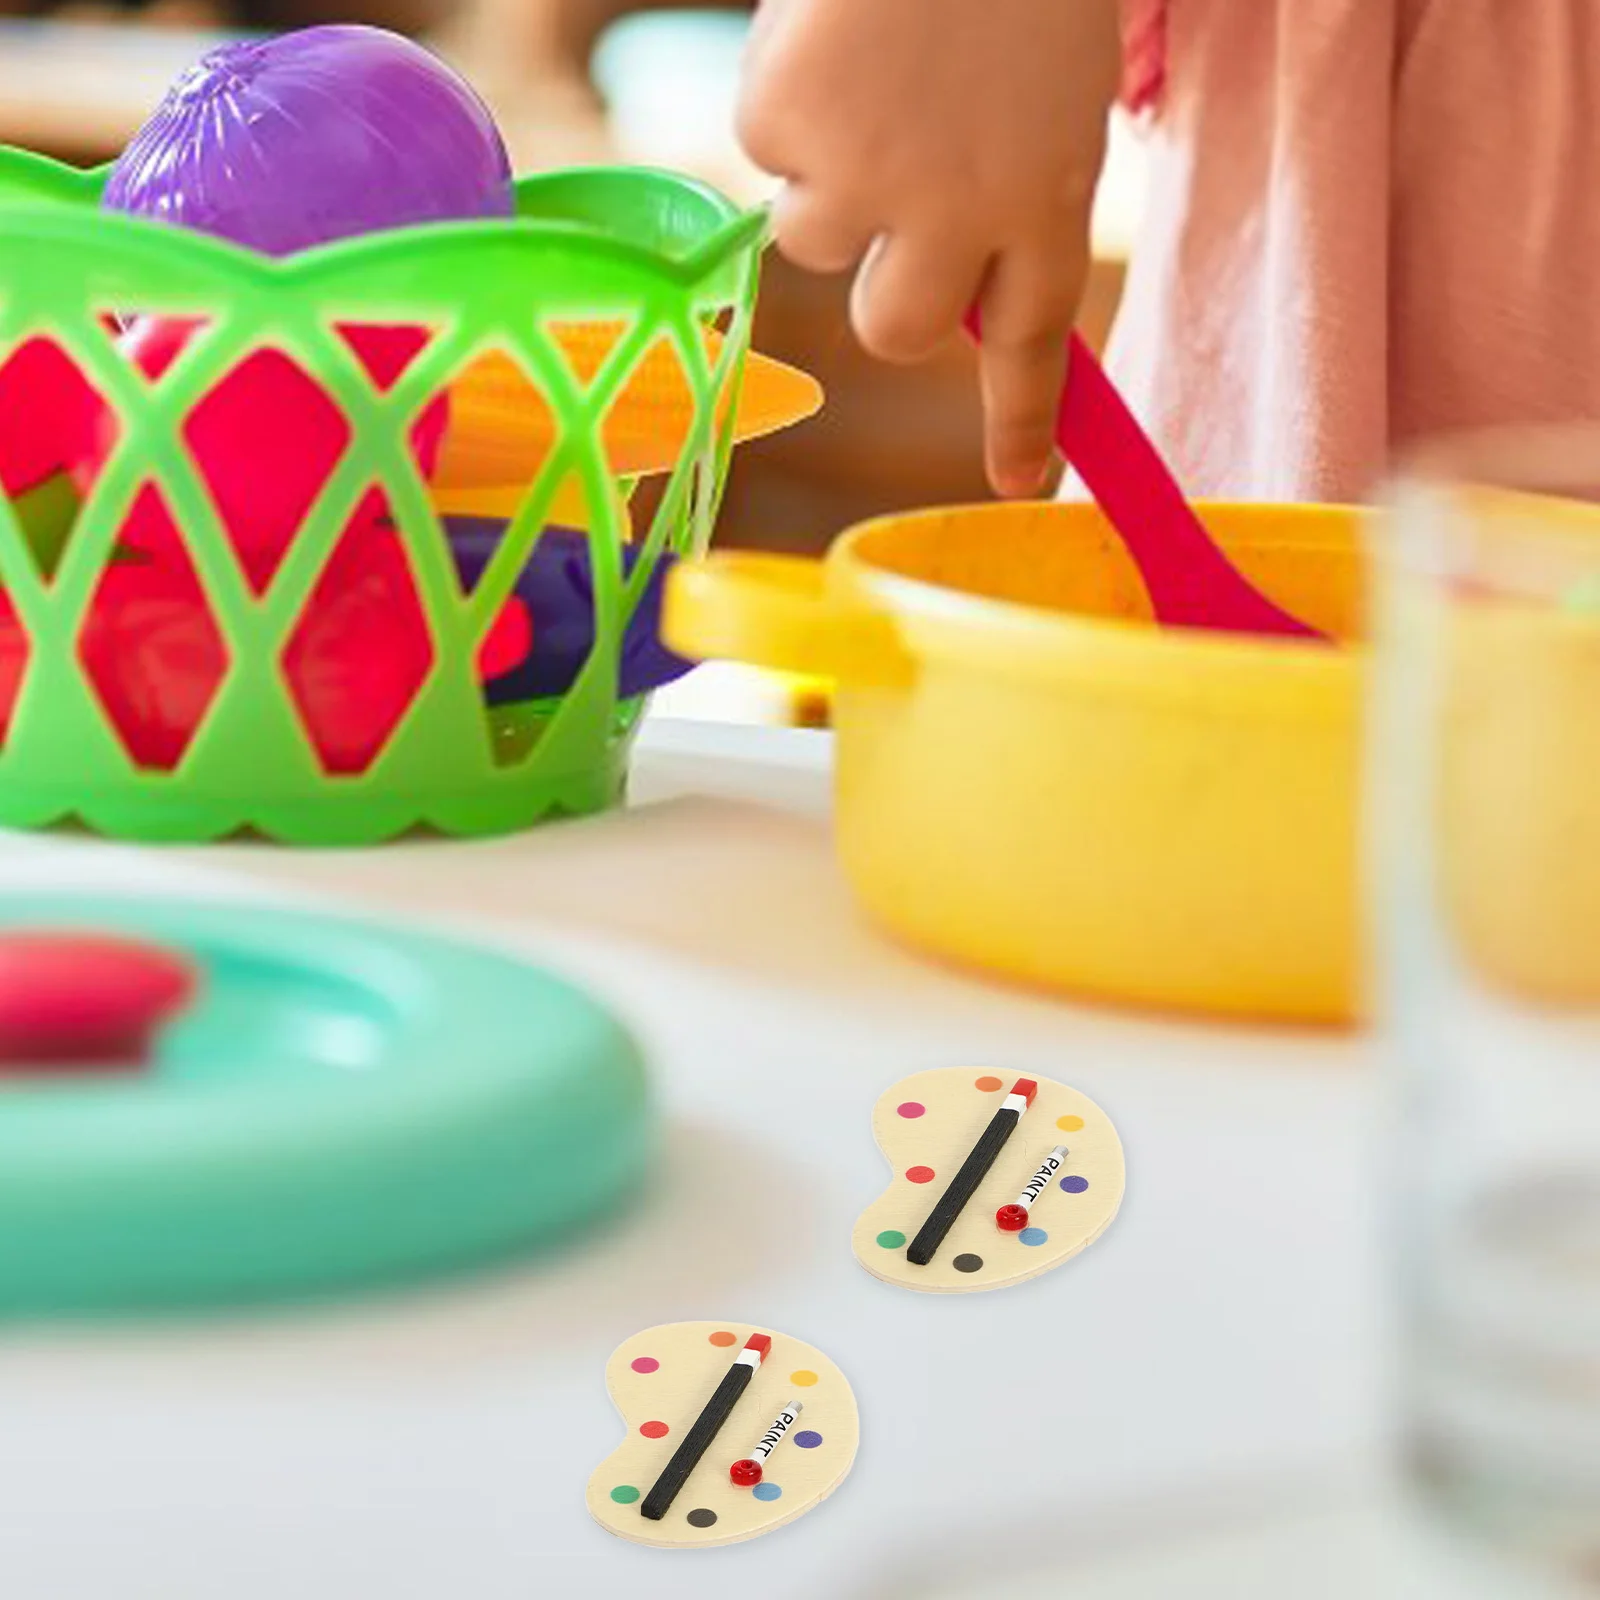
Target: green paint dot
(891, 1239)
(624, 1494)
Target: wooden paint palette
(927, 1126)
(664, 1379)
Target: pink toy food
(47, 415)
(85, 999)
(265, 440)
(353, 663)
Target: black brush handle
(962, 1187)
(697, 1441)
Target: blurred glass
(1487, 712)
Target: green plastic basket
(661, 256)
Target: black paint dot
(702, 1518)
(967, 1263)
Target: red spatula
(1191, 582)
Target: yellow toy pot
(1514, 752)
(1034, 779)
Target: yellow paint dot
(1069, 1124)
(802, 1379)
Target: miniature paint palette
(996, 1179)
(733, 1431)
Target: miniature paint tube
(748, 1472)
(1014, 1218)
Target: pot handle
(776, 611)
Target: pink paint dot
(653, 1430)
(645, 1364)
(911, 1108)
(920, 1174)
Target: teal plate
(344, 1106)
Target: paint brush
(973, 1171)
(706, 1427)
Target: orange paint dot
(1069, 1124)
(988, 1084)
(802, 1379)
(653, 1430)
(723, 1338)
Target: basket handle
(778, 612)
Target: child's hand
(951, 148)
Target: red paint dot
(723, 1338)
(920, 1174)
(653, 1430)
(911, 1108)
(645, 1364)
(988, 1084)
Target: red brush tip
(761, 1343)
(746, 1474)
(1026, 1087)
(1011, 1219)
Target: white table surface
(1214, 1357)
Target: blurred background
(1497, 1384)
(601, 80)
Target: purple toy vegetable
(281, 145)
(287, 143)
(557, 588)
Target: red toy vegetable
(353, 663)
(265, 440)
(86, 999)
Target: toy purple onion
(287, 143)
(281, 145)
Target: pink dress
(1369, 221)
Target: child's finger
(815, 233)
(772, 120)
(911, 295)
(1029, 304)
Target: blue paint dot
(807, 1440)
(766, 1491)
(1033, 1236)
(1074, 1185)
